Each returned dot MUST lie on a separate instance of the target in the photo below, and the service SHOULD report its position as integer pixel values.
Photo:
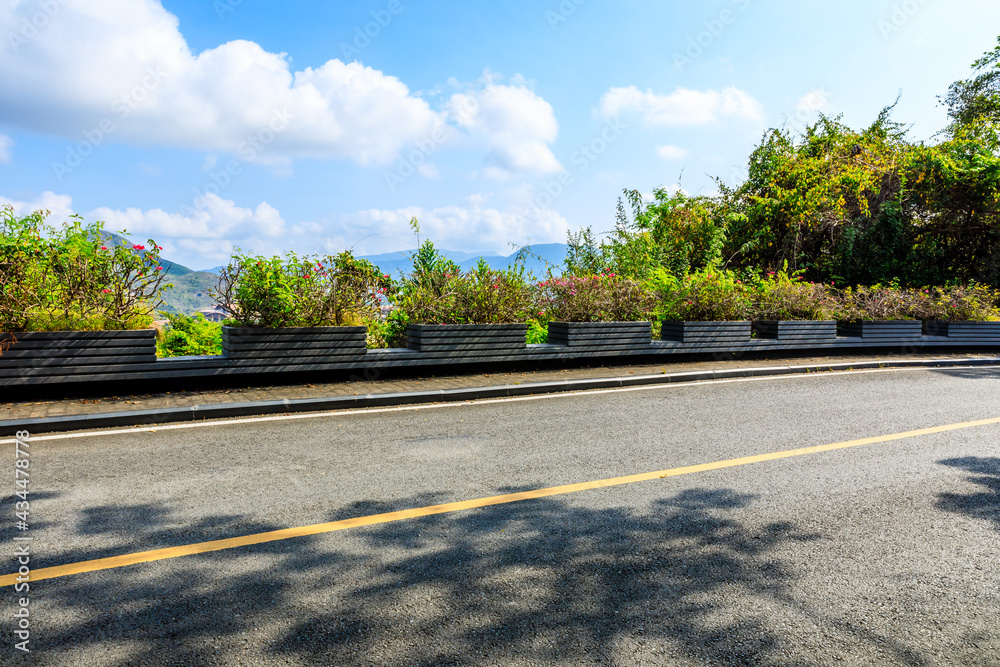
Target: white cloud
(817, 100)
(205, 237)
(671, 152)
(124, 62)
(218, 219)
(516, 124)
(683, 107)
(428, 170)
(808, 109)
(472, 226)
(60, 206)
(199, 238)
(5, 146)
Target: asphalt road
(883, 553)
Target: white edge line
(457, 404)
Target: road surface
(863, 550)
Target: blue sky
(318, 126)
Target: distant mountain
(189, 293)
(538, 261)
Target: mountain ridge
(190, 287)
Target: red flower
(159, 268)
(106, 291)
(138, 247)
(104, 247)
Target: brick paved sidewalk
(152, 401)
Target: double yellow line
(403, 515)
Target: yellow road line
(389, 517)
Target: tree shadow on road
(983, 505)
(532, 582)
(540, 582)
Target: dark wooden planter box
(796, 331)
(74, 352)
(601, 334)
(889, 331)
(294, 345)
(705, 333)
(972, 332)
(461, 339)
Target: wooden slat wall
(97, 358)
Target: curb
(286, 406)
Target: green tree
(976, 99)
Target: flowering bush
(975, 302)
(779, 296)
(293, 291)
(879, 302)
(708, 295)
(74, 277)
(598, 298)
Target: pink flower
(159, 268)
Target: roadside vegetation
(837, 223)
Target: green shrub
(674, 231)
(598, 298)
(779, 296)
(538, 332)
(438, 292)
(708, 295)
(293, 291)
(186, 336)
(75, 277)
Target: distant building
(215, 314)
